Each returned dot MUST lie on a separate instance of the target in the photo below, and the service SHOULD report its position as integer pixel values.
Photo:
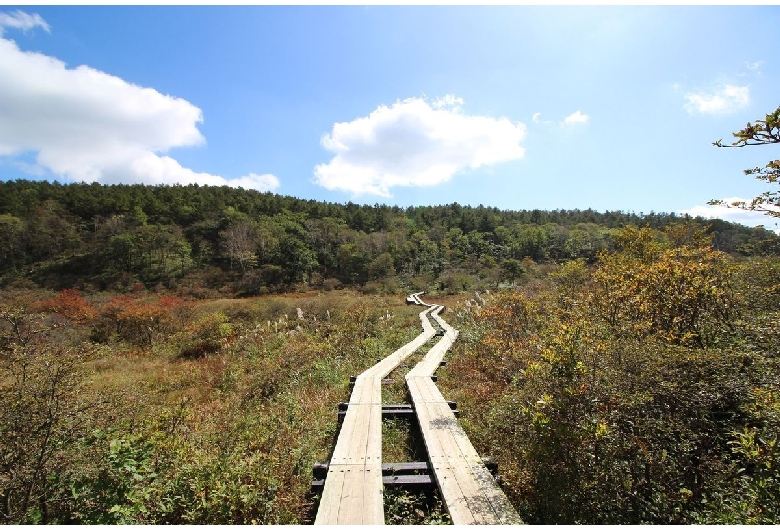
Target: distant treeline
(111, 236)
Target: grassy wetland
(618, 369)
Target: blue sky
(518, 107)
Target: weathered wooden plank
(320, 469)
(374, 442)
(341, 451)
(444, 467)
(451, 491)
(460, 468)
(330, 502)
(373, 503)
(468, 489)
(420, 481)
(408, 480)
(468, 504)
(498, 500)
(393, 468)
(402, 410)
(351, 506)
(352, 492)
(356, 454)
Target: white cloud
(447, 101)
(575, 119)
(735, 215)
(537, 118)
(724, 99)
(414, 143)
(266, 182)
(755, 67)
(86, 125)
(572, 120)
(21, 20)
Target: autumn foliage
(643, 392)
(683, 295)
(632, 386)
(70, 304)
(140, 320)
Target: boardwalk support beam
(398, 474)
(402, 410)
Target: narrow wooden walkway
(353, 486)
(466, 485)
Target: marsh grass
(217, 415)
(228, 436)
(424, 507)
(402, 441)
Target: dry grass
(257, 412)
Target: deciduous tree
(240, 245)
(762, 132)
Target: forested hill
(112, 236)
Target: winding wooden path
(353, 485)
(466, 485)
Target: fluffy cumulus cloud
(414, 142)
(86, 125)
(722, 100)
(735, 215)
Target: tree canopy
(762, 132)
(111, 237)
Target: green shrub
(205, 336)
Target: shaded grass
(423, 507)
(402, 441)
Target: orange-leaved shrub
(141, 320)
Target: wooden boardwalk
(353, 486)
(465, 484)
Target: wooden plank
(473, 495)
(444, 470)
(424, 480)
(388, 468)
(393, 468)
(468, 489)
(341, 451)
(408, 480)
(402, 410)
(356, 454)
(468, 504)
(374, 442)
(351, 506)
(373, 502)
(352, 492)
(357, 483)
(498, 500)
(330, 502)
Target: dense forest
(175, 354)
(249, 243)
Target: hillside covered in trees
(201, 238)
